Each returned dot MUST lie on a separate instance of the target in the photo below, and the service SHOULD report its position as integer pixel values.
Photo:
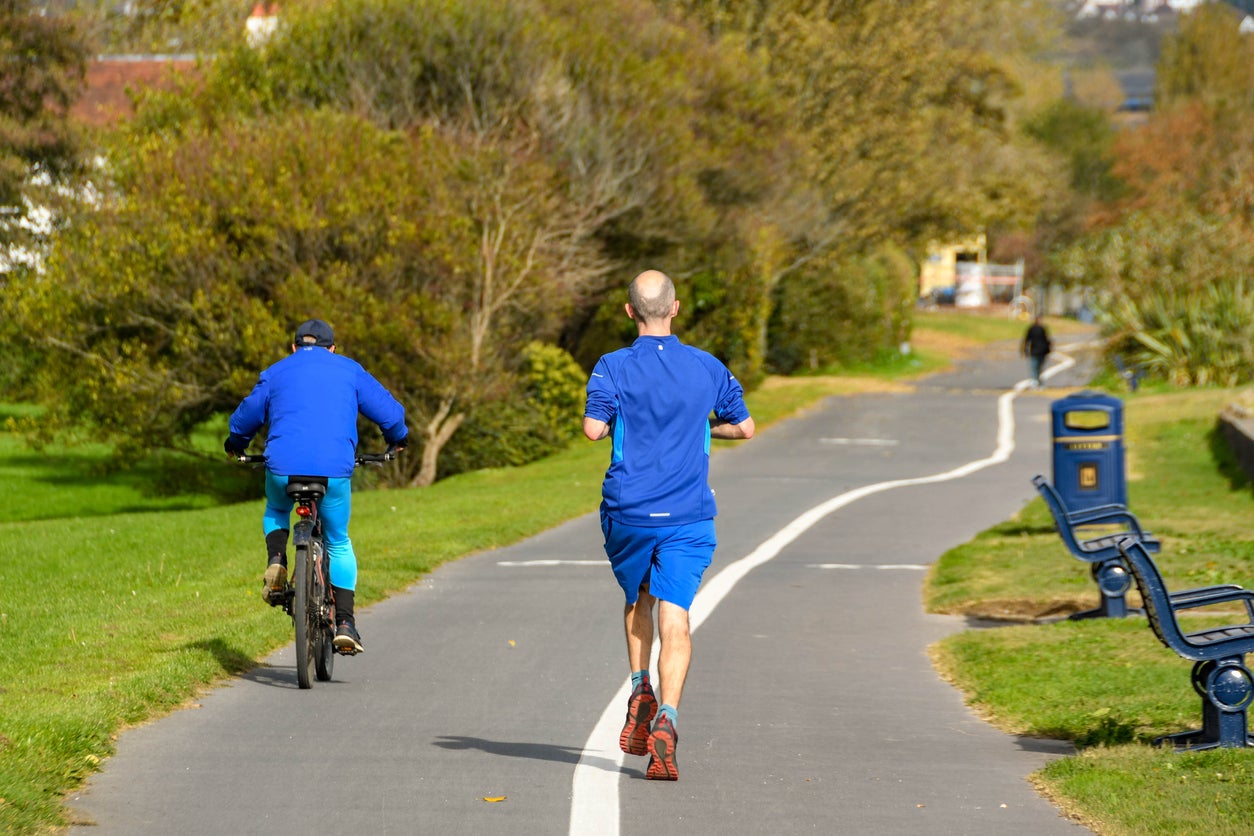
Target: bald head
(652, 297)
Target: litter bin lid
(1086, 413)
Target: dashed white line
(530, 563)
(594, 807)
(914, 566)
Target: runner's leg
(676, 651)
(638, 618)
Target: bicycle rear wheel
(305, 614)
(325, 660)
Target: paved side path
(811, 705)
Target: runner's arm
(725, 429)
(595, 429)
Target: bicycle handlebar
(377, 458)
(362, 458)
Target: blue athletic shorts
(669, 561)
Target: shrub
(1188, 338)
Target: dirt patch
(1023, 610)
(953, 346)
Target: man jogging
(655, 399)
(311, 399)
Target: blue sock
(670, 712)
(639, 676)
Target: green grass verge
(83, 480)
(1108, 685)
(984, 328)
(1171, 794)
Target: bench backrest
(1053, 501)
(1156, 599)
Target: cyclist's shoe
(347, 641)
(640, 710)
(274, 583)
(662, 766)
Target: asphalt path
(482, 702)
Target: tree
(42, 68)
(42, 65)
(899, 114)
(160, 305)
(650, 135)
(1172, 253)
(1207, 60)
(513, 258)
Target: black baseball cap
(316, 328)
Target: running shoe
(662, 766)
(641, 707)
(272, 586)
(347, 641)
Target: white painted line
(530, 563)
(860, 442)
(594, 808)
(915, 566)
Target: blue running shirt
(657, 396)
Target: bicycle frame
(306, 531)
(308, 597)
(312, 600)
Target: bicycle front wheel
(305, 614)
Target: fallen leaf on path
(494, 798)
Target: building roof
(111, 80)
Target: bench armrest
(1206, 596)
(1112, 508)
(1104, 513)
(1107, 541)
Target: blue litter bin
(1089, 466)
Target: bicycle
(307, 596)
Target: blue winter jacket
(311, 399)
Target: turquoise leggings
(334, 509)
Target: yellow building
(940, 268)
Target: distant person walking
(655, 399)
(1036, 347)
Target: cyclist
(311, 400)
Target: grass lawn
(1108, 684)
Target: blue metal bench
(1108, 568)
(1219, 676)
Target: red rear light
(302, 510)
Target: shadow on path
(532, 751)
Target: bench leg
(1229, 690)
(1226, 729)
(1113, 581)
